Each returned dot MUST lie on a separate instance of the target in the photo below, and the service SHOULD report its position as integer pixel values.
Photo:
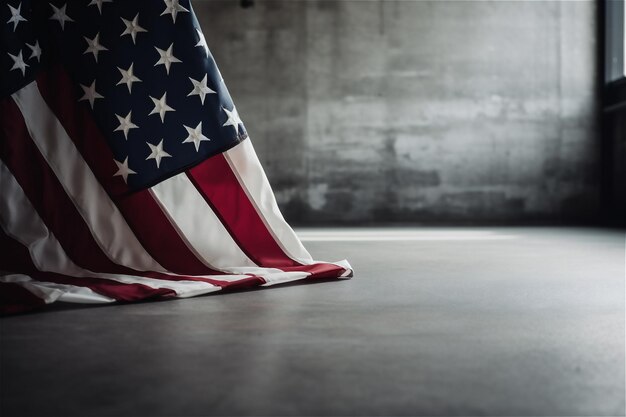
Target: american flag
(125, 171)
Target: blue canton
(143, 69)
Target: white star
(94, 46)
(60, 15)
(195, 136)
(123, 170)
(132, 27)
(200, 89)
(202, 42)
(172, 7)
(16, 17)
(18, 63)
(125, 124)
(36, 51)
(157, 152)
(160, 107)
(167, 57)
(90, 93)
(99, 3)
(233, 118)
(128, 77)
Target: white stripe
(50, 292)
(19, 220)
(203, 231)
(248, 170)
(107, 225)
(199, 225)
(202, 243)
(284, 277)
(346, 266)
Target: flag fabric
(126, 172)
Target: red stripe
(221, 189)
(139, 209)
(249, 280)
(117, 290)
(46, 193)
(18, 259)
(48, 197)
(319, 270)
(53, 205)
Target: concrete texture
(416, 111)
(436, 322)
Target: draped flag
(125, 171)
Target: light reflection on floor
(393, 234)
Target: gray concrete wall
(416, 111)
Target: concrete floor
(516, 321)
